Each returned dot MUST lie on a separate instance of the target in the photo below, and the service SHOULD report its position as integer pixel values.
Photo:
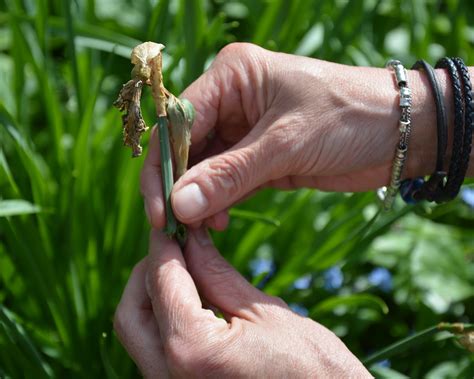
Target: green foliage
(72, 223)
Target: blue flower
(260, 266)
(303, 282)
(467, 195)
(384, 363)
(380, 277)
(302, 311)
(333, 278)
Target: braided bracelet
(453, 183)
(468, 122)
(414, 190)
(388, 194)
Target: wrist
(385, 113)
(422, 150)
(423, 142)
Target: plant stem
(159, 98)
(415, 339)
(167, 173)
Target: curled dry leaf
(147, 58)
(181, 117)
(132, 121)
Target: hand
(272, 119)
(165, 329)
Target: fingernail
(202, 237)
(189, 202)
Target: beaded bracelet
(388, 194)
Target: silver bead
(392, 63)
(389, 193)
(403, 126)
(381, 193)
(405, 97)
(400, 74)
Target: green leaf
(254, 216)
(17, 207)
(356, 301)
(17, 335)
(386, 373)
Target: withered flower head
(141, 57)
(129, 97)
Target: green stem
(167, 174)
(72, 52)
(415, 339)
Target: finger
(217, 182)
(206, 149)
(204, 94)
(218, 281)
(229, 93)
(175, 299)
(151, 185)
(136, 326)
(219, 221)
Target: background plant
(72, 223)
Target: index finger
(151, 184)
(174, 297)
(136, 327)
(204, 94)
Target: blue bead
(409, 187)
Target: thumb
(221, 284)
(219, 181)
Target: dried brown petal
(132, 121)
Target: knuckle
(273, 308)
(235, 49)
(229, 172)
(120, 322)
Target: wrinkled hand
(272, 119)
(165, 329)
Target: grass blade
(415, 339)
(167, 176)
(254, 216)
(17, 207)
(18, 336)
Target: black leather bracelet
(433, 187)
(452, 186)
(468, 121)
